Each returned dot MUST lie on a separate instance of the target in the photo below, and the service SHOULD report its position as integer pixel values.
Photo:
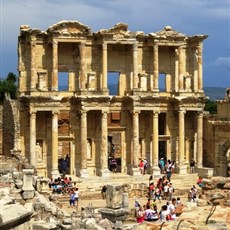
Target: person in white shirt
(172, 209)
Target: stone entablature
(84, 121)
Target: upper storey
(69, 53)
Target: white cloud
(222, 62)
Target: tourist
(170, 191)
(145, 165)
(151, 190)
(178, 201)
(200, 182)
(157, 194)
(140, 215)
(192, 166)
(141, 166)
(72, 199)
(169, 173)
(76, 194)
(164, 213)
(151, 215)
(103, 192)
(172, 209)
(162, 165)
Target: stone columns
(28, 189)
(168, 127)
(104, 145)
(181, 136)
(83, 165)
(33, 63)
(200, 68)
(181, 68)
(104, 65)
(199, 155)
(135, 69)
(55, 66)
(33, 159)
(82, 67)
(155, 144)
(135, 162)
(176, 81)
(155, 67)
(54, 170)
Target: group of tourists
(61, 185)
(143, 166)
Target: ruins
(156, 112)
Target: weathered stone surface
(114, 196)
(13, 215)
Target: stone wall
(11, 127)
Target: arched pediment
(69, 27)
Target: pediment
(69, 27)
(169, 32)
(120, 30)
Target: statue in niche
(38, 152)
(89, 150)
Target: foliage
(211, 106)
(8, 86)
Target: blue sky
(191, 17)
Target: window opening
(63, 81)
(162, 82)
(113, 83)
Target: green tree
(211, 106)
(8, 86)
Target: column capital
(155, 46)
(156, 112)
(135, 46)
(104, 46)
(135, 112)
(55, 43)
(104, 113)
(182, 111)
(55, 112)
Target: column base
(55, 173)
(156, 171)
(104, 173)
(135, 171)
(83, 173)
(182, 169)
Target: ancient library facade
(94, 95)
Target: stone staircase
(90, 188)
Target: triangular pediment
(169, 32)
(69, 27)
(120, 30)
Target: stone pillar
(71, 81)
(155, 144)
(54, 170)
(182, 167)
(33, 63)
(168, 127)
(181, 68)
(135, 170)
(55, 66)
(200, 67)
(83, 165)
(28, 189)
(195, 71)
(104, 172)
(33, 159)
(155, 67)
(176, 81)
(199, 155)
(104, 66)
(82, 67)
(135, 69)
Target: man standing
(192, 166)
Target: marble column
(55, 66)
(83, 165)
(199, 155)
(200, 67)
(176, 81)
(33, 159)
(155, 144)
(181, 136)
(82, 66)
(181, 68)
(33, 63)
(155, 67)
(168, 127)
(195, 71)
(104, 66)
(54, 170)
(182, 168)
(135, 66)
(135, 170)
(104, 172)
